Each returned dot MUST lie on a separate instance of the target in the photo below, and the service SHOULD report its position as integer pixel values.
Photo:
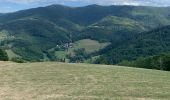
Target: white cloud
(101, 2)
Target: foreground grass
(58, 81)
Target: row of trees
(160, 62)
(142, 45)
(79, 56)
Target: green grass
(11, 54)
(60, 81)
(61, 54)
(89, 45)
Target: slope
(114, 29)
(30, 33)
(81, 81)
(29, 37)
(144, 44)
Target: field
(61, 81)
(89, 45)
(11, 54)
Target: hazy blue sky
(14, 5)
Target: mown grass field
(60, 81)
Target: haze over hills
(36, 34)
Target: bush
(17, 60)
(79, 56)
(3, 55)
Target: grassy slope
(112, 28)
(11, 54)
(89, 45)
(50, 80)
(44, 27)
(32, 36)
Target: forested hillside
(32, 34)
(145, 44)
(62, 81)
(160, 62)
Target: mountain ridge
(56, 24)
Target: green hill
(63, 81)
(29, 34)
(33, 36)
(145, 44)
(90, 14)
(114, 29)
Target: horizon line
(85, 6)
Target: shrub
(17, 60)
(3, 55)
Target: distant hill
(114, 29)
(31, 33)
(90, 14)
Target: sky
(15, 5)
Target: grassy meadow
(89, 45)
(61, 81)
